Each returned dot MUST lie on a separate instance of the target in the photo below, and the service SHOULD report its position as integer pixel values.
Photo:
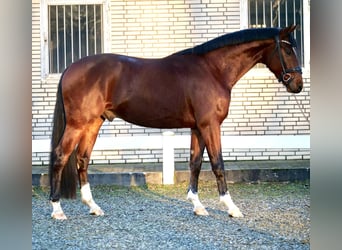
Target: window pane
(83, 20)
(98, 29)
(75, 31)
(53, 39)
(60, 39)
(68, 35)
(252, 14)
(91, 30)
(290, 11)
(260, 12)
(267, 12)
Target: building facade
(64, 31)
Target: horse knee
(195, 164)
(196, 161)
(82, 163)
(59, 159)
(219, 173)
(217, 167)
(82, 168)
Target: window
(278, 13)
(74, 31)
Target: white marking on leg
(199, 209)
(57, 211)
(87, 199)
(233, 210)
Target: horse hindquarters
(72, 144)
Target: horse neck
(230, 63)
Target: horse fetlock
(199, 209)
(233, 210)
(86, 195)
(94, 208)
(87, 199)
(57, 211)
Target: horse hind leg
(196, 155)
(60, 158)
(84, 150)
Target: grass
(206, 189)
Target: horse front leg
(212, 138)
(83, 156)
(225, 198)
(196, 155)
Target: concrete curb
(232, 176)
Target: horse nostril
(300, 88)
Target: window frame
(306, 45)
(45, 73)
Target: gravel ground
(277, 216)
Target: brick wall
(159, 28)
(260, 105)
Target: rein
(285, 76)
(301, 107)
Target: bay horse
(188, 89)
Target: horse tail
(69, 174)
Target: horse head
(283, 60)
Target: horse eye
(288, 51)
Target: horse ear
(288, 30)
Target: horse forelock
(238, 37)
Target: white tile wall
(260, 105)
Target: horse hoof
(58, 216)
(235, 213)
(200, 211)
(97, 212)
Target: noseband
(285, 76)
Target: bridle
(285, 76)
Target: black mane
(238, 37)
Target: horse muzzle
(294, 85)
(292, 80)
